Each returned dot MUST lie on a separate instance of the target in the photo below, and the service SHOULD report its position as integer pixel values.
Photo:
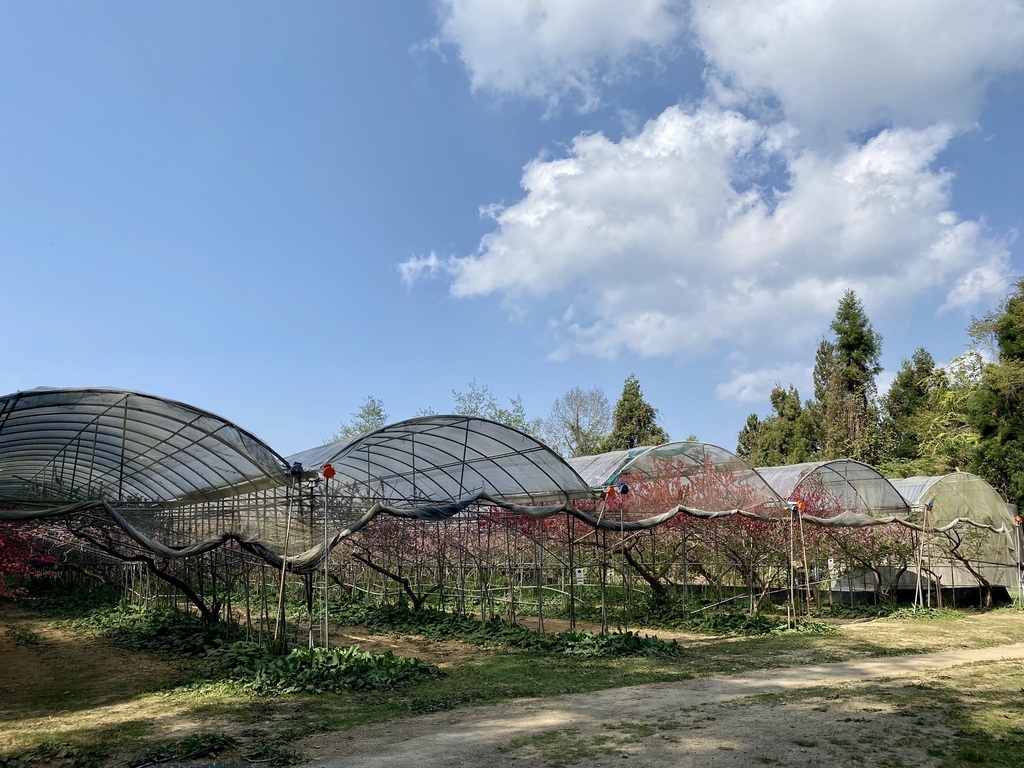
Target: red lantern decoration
(327, 471)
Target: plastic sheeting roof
(691, 465)
(604, 468)
(850, 485)
(65, 445)
(443, 458)
(958, 494)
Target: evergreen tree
(844, 382)
(634, 422)
(824, 366)
(785, 437)
(749, 438)
(997, 407)
(909, 395)
(858, 346)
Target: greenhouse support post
(279, 635)
(327, 618)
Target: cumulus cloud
(756, 386)
(987, 279)
(731, 225)
(844, 66)
(553, 49)
(850, 66)
(662, 244)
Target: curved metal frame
(64, 445)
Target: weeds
(440, 625)
(271, 752)
(199, 745)
(162, 630)
(915, 612)
(734, 623)
(22, 636)
(316, 670)
(59, 753)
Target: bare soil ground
(875, 712)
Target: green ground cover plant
(157, 630)
(437, 624)
(315, 670)
(695, 614)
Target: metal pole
(1020, 582)
(327, 621)
(279, 636)
(791, 608)
(807, 570)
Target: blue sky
(273, 211)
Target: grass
(967, 715)
(565, 747)
(65, 721)
(561, 748)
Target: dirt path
(801, 716)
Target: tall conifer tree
(908, 397)
(845, 388)
(634, 421)
(785, 437)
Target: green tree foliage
(947, 437)
(785, 437)
(997, 407)
(634, 421)
(481, 402)
(579, 421)
(908, 395)
(824, 367)
(844, 382)
(370, 416)
(939, 437)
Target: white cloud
(673, 241)
(661, 244)
(418, 267)
(849, 66)
(987, 279)
(756, 386)
(551, 49)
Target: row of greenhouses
(177, 504)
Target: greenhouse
(116, 478)
(460, 513)
(828, 488)
(973, 540)
(68, 445)
(446, 458)
(685, 467)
